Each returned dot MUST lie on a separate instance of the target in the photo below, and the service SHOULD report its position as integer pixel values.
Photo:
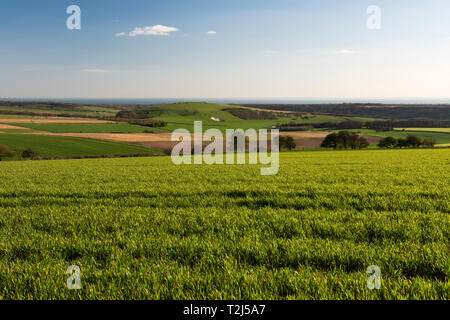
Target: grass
(53, 146)
(142, 228)
(95, 111)
(183, 115)
(443, 130)
(86, 127)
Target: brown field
(163, 140)
(304, 135)
(308, 143)
(119, 137)
(372, 139)
(8, 126)
(51, 120)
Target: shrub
(430, 142)
(5, 152)
(29, 153)
(19, 153)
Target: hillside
(183, 115)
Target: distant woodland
(369, 110)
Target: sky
(265, 49)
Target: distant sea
(232, 101)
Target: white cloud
(157, 30)
(211, 32)
(95, 70)
(346, 51)
(120, 34)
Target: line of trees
(410, 142)
(149, 123)
(370, 110)
(389, 125)
(379, 125)
(345, 140)
(344, 125)
(249, 114)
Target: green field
(183, 115)
(54, 146)
(142, 228)
(82, 111)
(85, 127)
(444, 130)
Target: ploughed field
(143, 228)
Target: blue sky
(261, 49)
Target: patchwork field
(143, 228)
(73, 127)
(54, 120)
(66, 146)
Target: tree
(414, 141)
(330, 141)
(344, 140)
(430, 142)
(388, 142)
(29, 153)
(287, 142)
(5, 152)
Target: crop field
(183, 115)
(55, 146)
(444, 130)
(143, 228)
(86, 127)
(79, 111)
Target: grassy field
(142, 228)
(52, 146)
(183, 115)
(94, 111)
(444, 130)
(85, 127)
